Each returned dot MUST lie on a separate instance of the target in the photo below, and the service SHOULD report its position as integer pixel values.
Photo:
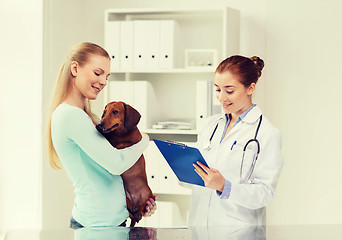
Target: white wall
(20, 104)
(303, 100)
(63, 28)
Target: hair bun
(259, 63)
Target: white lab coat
(246, 203)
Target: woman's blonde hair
(79, 53)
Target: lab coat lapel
(253, 115)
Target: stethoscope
(244, 179)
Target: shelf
(175, 70)
(136, 11)
(171, 131)
(171, 91)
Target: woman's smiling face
(91, 78)
(234, 97)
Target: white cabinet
(179, 30)
(195, 28)
(164, 36)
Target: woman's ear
(74, 68)
(251, 89)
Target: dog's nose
(100, 126)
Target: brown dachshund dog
(119, 126)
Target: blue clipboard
(180, 158)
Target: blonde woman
(92, 164)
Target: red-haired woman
(242, 148)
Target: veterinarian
(242, 148)
(93, 165)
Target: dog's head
(119, 117)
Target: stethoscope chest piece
(208, 148)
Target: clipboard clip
(178, 143)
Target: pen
(233, 145)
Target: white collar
(253, 115)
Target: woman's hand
(146, 135)
(151, 207)
(212, 177)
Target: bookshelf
(175, 87)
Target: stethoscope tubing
(244, 150)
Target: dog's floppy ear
(132, 117)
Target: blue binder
(180, 158)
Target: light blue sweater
(94, 167)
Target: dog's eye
(104, 113)
(115, 112)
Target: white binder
(152, 44)
(120, 91)
(216, 105)
(169, 44)
(206, 102)
(153, 158)
(141, 36)
(112, 43)
(203, 102)
(168, 179)
(126, 40)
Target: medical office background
(299, 92)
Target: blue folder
(180, 158)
